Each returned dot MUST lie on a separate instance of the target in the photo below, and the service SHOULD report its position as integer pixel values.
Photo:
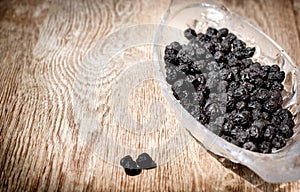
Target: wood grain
(42, 45)
(296, 8)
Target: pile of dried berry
(215, 80)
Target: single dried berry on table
(144, 161)
(216, 63)
(130, 166)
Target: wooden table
(42, 44)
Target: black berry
(144, 161)
(190, 34)
(130, 166)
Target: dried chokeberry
(211, 31)
(226, 74)
(286, 131)
(274, 68)
(144, 161)
(269, 133)
(241, 93)
(248, 52)
(231, 37)
(238, 45)
(190, 33)
(223, 32)
(242, 118)
(261, 94)
(278, 142)
(241, 105)
(265, 147)
(250, 146)
(130, 166)
(254, 132)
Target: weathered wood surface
(42, 44)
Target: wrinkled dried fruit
(130, 166)
(144, 161)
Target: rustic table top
(42, 46)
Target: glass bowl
(282, 165)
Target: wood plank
(43, 44)
(296, 7)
